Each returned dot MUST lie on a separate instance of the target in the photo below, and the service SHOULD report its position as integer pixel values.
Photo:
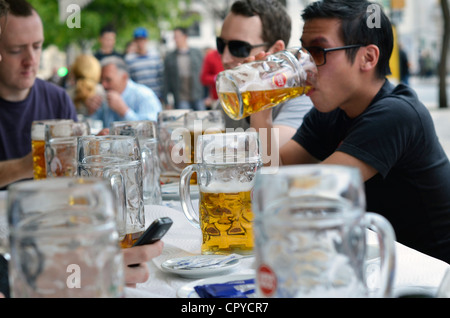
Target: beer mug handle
(386, 240)
(118, 188)
(185, 195)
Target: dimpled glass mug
(169, 121)
(226, 167)
(42, 131)
(117, 159)
(63, 239)
(310, 234)
(146, 133)
(255, 86)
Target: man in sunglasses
(254, 26)
(360, 119)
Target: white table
(415, 271)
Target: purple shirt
(45, 101)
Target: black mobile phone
(155, 231)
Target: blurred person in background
(145, 64)
(212, 65)
(85, 74)
(182, 69)
(124, 98)
(107, 40)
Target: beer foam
(62, 130)
(227, 187)
(38, 132)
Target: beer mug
(43, 130)
(255, 86)
(169, 121)
(146, 133)
(310, 234)
(117, 159)
(38, 136)
(200, 123)
(63, 239)
(61, 157)
(226, 167)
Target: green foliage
(125, 15)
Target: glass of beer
(146, 133)
(226, 166)
(255, 86)
(38, 136)
(118, 160)
(200, 123)
(63, 239)
(43, 130)
(170, 121)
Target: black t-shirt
(396, 136)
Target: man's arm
(16, 169)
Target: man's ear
(279, 45)
(369, 58)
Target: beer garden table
(414, 271)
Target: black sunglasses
(236, 48)
(319, 54)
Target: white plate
(188, 291)
(167, 266)
(171, 191)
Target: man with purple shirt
(23, 97)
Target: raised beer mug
(255, 86)
(226, 167)
(310, 234)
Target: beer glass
(43, 130)
(226, 167)
(170, 122)
(146, 133)
(200, 123)
(117, 159)
(63, 239)
(310, 234)
(61, 157)
(255, 86)
(38, 136)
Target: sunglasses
(236, 48)
(320, 54)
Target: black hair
(276, 23)
(107, 28)
(4, 8)
(182, 30)
(358, 26)
(20, 8)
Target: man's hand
(116, 103)
(139, 255)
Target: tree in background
(125, 15)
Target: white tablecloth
(414, 272)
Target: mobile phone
(155, 231)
